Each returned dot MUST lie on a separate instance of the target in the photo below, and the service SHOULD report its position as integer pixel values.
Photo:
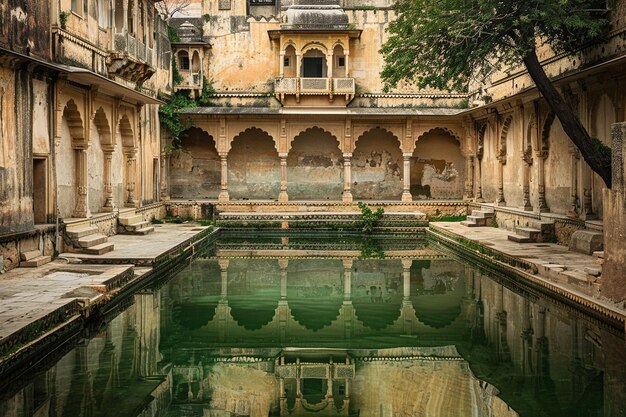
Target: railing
(314, 86)
(124, 42)
(190, 79)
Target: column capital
(347, 263)
(407, 155)
(283, 155)
(347, 154)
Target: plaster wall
(377, 166)
(253, 167)
(314, 167)
(195, 168)
(66, 173)
(513, 171)
(437, 167)
(558, 170)
(95, 173)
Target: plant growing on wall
(171, 118)
(442, 44)
(63, 19)
(369, 218)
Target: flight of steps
(533, 233)
(133, 224)
(479, 218)
(88, 240)
(33, 259)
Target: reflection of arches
(75, 123)
(254, 311)
(437, 166)
(253, 166)
(195, 170)
(437, 311)
(378, 316)
(377, 166)
(314, 166)
(104, 129)
(192, 316)
(314, 313)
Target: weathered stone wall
(558, 170)
(314, 167)
(613, 282)
(377, 166)
(253, 167)
(437, 167)
(41, 239)
(194, 171)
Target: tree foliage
(443, 44)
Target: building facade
(79, 116)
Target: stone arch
(339, 58)
(504, 132)
(377, 166)
(289, 44)
(253, 166)
(196, 64)
(315, 166)
(104, 129)
(446, 129)
(545, 131)
(75, 123)
(194, 168)
(314, 45)
(438, 166)
(126, 132)
(480, 147)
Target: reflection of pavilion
(264, 301)
(315, 382)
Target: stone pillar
(479, 180)
(586, 178)
(131, 171)
(223, 264)
(108, 188)
(329, 66)
(165, 158)
(347, 64)
(527, 161)
(283, 196)
(298, 65)
(541, 181)
(223, 196)
(282, 64)
(500, 198)
(347, 281)
(574, 202)
(469, 181)
(347, 178)
(406, 176)
(81, 209)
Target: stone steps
(134, 225)
(91, 240)
(525, 235)
(478, 218)
(35, 262)
(79, 232)
(99, 249)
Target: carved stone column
(282, 64)
(108, 188)
(347, 63)
(469, 181)
(224, 179)
(81, 209)
(574, 201)
(406, 176)
(165, 164)
(131, 171)
(347, 178)
(500, 199)
(527, 160)
(283, 196)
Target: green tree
(443, 43)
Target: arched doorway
(195, 170)
(72, 175)
(253, 166)
(437, 166)
(314, 64)
(314, 166)
(377, 166)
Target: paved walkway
(59, 289)
(554, 263)
(138, 249)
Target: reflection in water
(298, 327)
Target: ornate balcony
(300, 86)
(130, 59)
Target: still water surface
(339, 326)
